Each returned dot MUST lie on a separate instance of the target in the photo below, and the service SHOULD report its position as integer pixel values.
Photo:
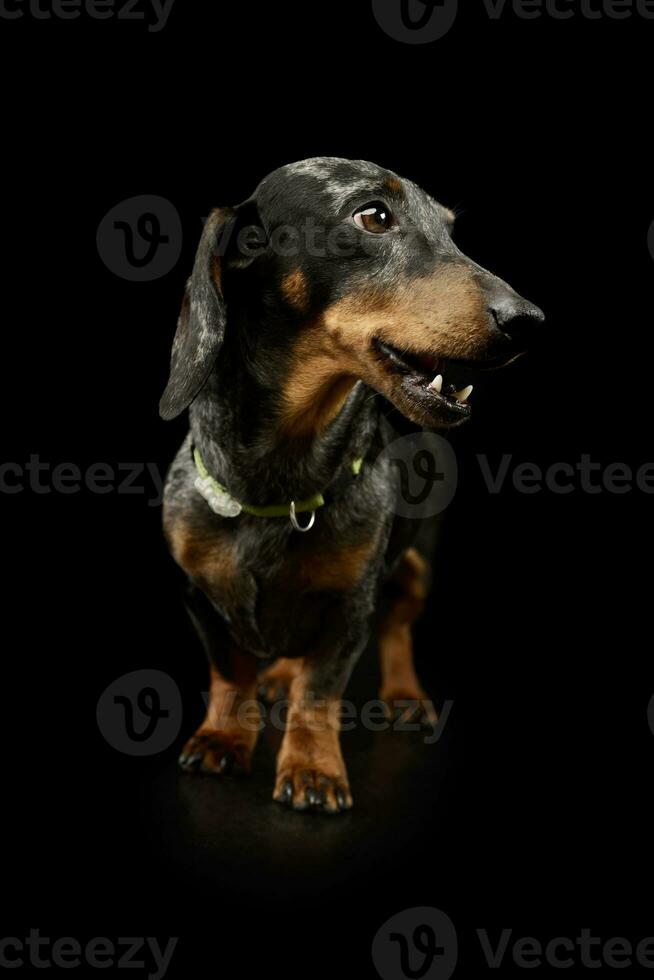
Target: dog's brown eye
(375, 218)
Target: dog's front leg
(225, 741)
(311, 773)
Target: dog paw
(409, 707)
(310, 789)
(216, 752)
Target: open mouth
(443, 381)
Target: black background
(534, 811)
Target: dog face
(340, 270)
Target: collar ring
(294, 521)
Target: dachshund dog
(337, 282)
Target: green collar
(222, 502)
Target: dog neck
(236, 424)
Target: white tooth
(437, 383)
(462, 395)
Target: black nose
(517, 319)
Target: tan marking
(295, 290)
(412, 574)
(209, 559)
(310, 755)
(393, 184)
(196, 552)
(399, 678)
(277, 679)
(225, 697)
(231, 726)
(338, 570)
(442, 314)
(320, 380)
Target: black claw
(311, 796)
(226, 763)
(340, 799)
(286, 795)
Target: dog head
(336, 271)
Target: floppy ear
(201, 324)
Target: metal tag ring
(294, 521)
